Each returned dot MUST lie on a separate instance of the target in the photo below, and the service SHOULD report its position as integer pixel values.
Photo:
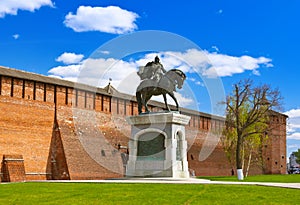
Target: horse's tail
(138, 96)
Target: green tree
(297, 154)
(247, 111)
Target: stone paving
(181, 181)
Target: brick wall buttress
(57, 164)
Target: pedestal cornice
(158, 118)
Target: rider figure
(157, 68)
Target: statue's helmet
(156, 59)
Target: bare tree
(248, 108)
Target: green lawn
(289, 178)
(99, 193)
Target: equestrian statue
(157, 81)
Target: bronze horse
(166, 85)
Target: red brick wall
(82, 164)
(17, 88)
(51, 143)
(6, 86)
(61, 95)
(275, 147)
(208, 159)
(12, 168)
(39, 93)
(57, 164)
(26, 129)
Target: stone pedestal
(157, 146)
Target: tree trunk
(240, 174)
(239, 157)
(248, 165)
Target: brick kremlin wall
(62, 130)
(87, 152)
(26, 129)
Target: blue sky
(240, 39)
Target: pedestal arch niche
(157, 146)
(151, 146)
(181, 163)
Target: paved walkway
(181, 181)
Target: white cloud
(16, 36)
(224, 65)
(215, 64)
(12, 6)
(293, 120)
(69, 58)
(105, 52)
(111, 19)
(215, 48)
(199, 83)
(256, 72)
(96, 72)
(183, 101)
(295, 136)
(192, 59)
(68, 72)
(293, 113)
(191, 79)
(293, 125)
(293, 146)
(195, 63)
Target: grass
(105, 193)
(290, 178)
